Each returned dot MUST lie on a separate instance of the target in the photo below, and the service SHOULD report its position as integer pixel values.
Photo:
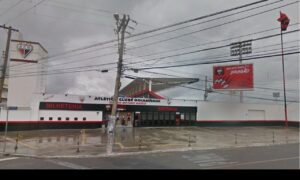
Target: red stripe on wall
(238, 121)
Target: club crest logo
(220, 71)
(24, 49)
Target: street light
(129, 77)
(104, 71)
(238, 49)
(116, 16)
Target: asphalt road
(269, 157)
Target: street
(78, 143)
(265, 157)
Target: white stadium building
(26, 105)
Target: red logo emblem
(25, 49)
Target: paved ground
(95, 142)
(264, 157)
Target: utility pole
(120, 31)
(206, 90)
(10, 29)
(241, 59)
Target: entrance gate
(157, 116)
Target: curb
(104, 155)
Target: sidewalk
(82, 143)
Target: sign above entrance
(24, 49)
(129, 101)
(170, 109)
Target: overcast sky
(61, 25)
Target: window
(187, 116)
(172, 116)
(50, 118)
(144, 116)
(84, 118)
(67, 119)
(161, 116)
(193, 116)
(167, 116)
(155, 115)
(150, 116)
(59, 118)
(42, 118)
(76, 119)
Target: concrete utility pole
(241, 59)
(206, 90)
(120, 31)
(10, 29)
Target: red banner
(233, 77)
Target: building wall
(19, 115)
(22, 88)
(15, 115)
(208, 111)
(89, 116)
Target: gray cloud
(69, 24)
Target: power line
(257, 82)
(64, 63)
(208, 43)
(110, 12)
(79, 60)
(157, 29)
(217, 92)
(250, 97)
(57, 73)
(208, 49)
(47, 70)
(85, 7)
(226, 56)
(73, 68)
(57, 58)
(73, 20)
(217, 62)
(59, 70)
(255, 87)
(11, 7)
(218, 18)
(219, 25)
(85, 60)
(198, 18)
(25, 11)
(59, 5)
(25, 74)
(107, 54)
(63, 53)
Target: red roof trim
(138, 93)
(147, 91)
